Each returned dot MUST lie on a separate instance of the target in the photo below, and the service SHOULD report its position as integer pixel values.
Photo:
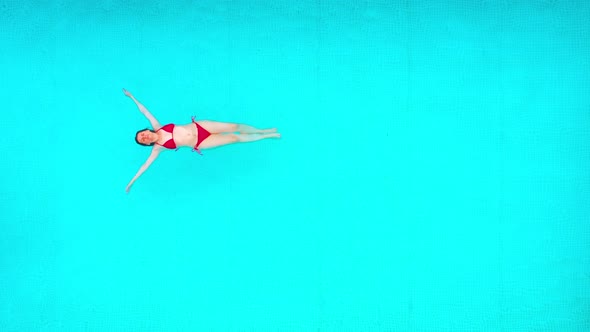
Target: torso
(184, 135)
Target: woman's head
(146, 137)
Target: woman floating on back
(199, 135)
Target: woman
(198, 134)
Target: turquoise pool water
(432, 175)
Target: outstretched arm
(144, 167)
(155, 124)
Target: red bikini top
(169, 144)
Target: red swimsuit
(202, 134)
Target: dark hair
(139, 131)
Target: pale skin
(222, 133)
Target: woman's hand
(128, 188)
(127, 93)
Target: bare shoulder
(156, 149)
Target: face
(145, 137)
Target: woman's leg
(216, 140)
(245, 129)
(216, 127)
